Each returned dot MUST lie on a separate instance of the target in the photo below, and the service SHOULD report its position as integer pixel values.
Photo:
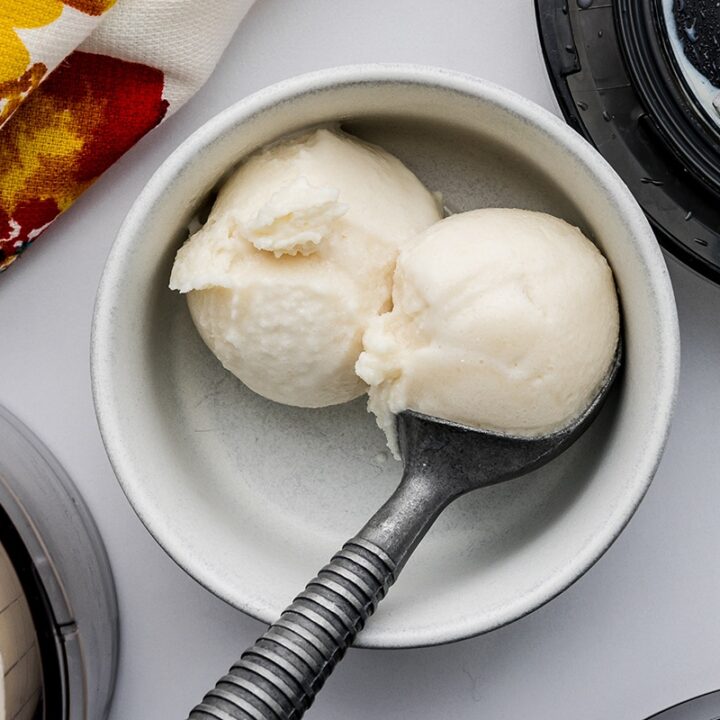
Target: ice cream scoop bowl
(280, 675)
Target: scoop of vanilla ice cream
(296, 258)
(505, 320)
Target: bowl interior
(252, 497)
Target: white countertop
(639, 632)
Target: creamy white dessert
(505, 320)
(296, 259)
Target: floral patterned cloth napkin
(81, 81)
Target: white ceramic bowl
(252, 497)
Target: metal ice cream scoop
(279, 676)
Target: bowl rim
(101, 344)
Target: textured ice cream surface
(296, 219)
(505, 320)
(296, 258)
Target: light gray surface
(637, 633)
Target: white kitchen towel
(81, 81)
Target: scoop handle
(279, 676)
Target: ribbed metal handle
(278, 678)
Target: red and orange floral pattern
(90, 7)
(51, 150)
(81, 81)
(19, 74)
(77, 123)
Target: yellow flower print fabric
(75, 93)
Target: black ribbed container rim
(654, 72)
(617, 82)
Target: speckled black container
(621, 82)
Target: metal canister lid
(60, 558)
(703, 707)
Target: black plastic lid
(619, 83)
